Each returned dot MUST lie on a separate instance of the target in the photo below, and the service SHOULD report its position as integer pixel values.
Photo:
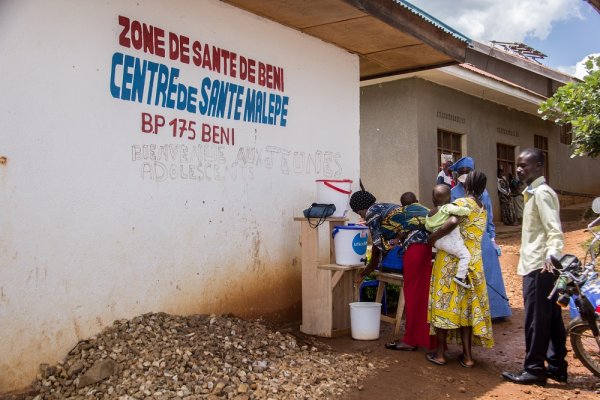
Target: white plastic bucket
(335, 191)
(364, 320)
(350, 242)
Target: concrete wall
(577, 174)
(389, 158)
(104, 218)
(478, 120)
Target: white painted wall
(86, 237)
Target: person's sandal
(399, 346)
(462, 282)
(463, 363)
(431, 357)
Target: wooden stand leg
(399, 311)
(380, 289)
(396, 280)
(356, 286)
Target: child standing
(452, 243)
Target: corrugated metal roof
(432, 20)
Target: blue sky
(567, 31)
(570, 41)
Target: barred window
(505, 155)
(566, 136)
(448, 143)
(541, 142)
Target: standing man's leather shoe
(524, 378)
(556, 375)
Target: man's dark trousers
(545, 334)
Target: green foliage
(579, 104)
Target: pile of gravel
(161, 356)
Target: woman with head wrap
(499, 306)
(389, 225)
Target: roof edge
(523, 99)
(433, 20)
(494, 52)
(405, 17)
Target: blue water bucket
(350, 243)
(393, 260)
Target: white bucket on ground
(335, 191)
(364, 320)
(350, 242)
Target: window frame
(454, 148)
(541, 142)
(566, 134)
(506, 159)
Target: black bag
(320, 211)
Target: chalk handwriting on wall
(143, 81)
(208, 162)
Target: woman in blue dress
(499, 307)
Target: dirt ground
(409, 375)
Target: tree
(578, 104)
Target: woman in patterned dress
(455, 312)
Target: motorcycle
(578, 288)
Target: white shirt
(446, 179)
(542, 235)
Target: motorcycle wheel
(584, 345)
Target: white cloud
(579, 69)
(504, 21)
(569, 69)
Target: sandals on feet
(463, 363)
(400, 346)
(462, 282)
(431, 357)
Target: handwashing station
(330, 305)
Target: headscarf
(465, 162)
(361, 200)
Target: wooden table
(327, 288)
(396, 279)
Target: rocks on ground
(161, 356)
